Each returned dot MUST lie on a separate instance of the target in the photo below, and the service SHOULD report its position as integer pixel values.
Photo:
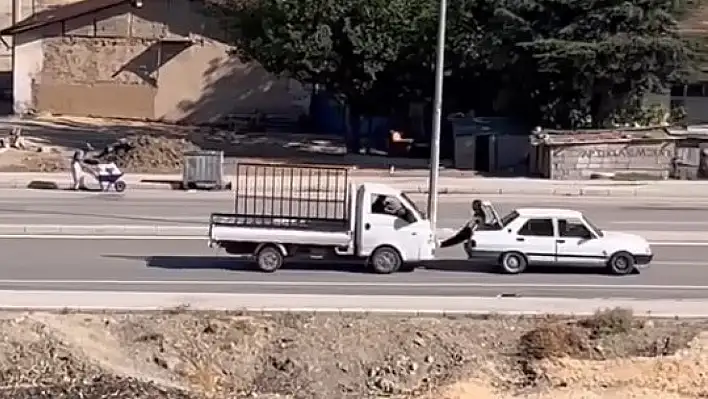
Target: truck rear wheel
(385, 260)
(269, 259)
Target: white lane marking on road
(128, 215)
(204, 238)
(679, 243)
(358, 284)
(660, 222)
(105, 237)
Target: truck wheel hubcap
(269, 260)
(385, 260)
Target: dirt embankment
(177, 354)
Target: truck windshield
(412, 203)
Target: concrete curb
(201, 232)
(476, 187)
(552, 192)
(564, 192)
(341, 304)
(99, 230)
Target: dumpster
(204, 170)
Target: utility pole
(437, 118)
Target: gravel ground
(178, 354)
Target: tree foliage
(584, 61)
(343, 45)
(560, 63)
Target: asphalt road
(191, 267)
(193, 209)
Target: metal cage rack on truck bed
(295, 196)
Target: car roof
(549, 213)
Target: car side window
(573, 228)
(537, 227)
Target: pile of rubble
(25, 154)
(145, 153)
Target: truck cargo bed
(297, 204)
(278, 222)
(231, 233)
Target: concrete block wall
(583, 161)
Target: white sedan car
(546, 236)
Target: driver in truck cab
(390, 206)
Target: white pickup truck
(548, 236)
(287, 211)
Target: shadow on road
(459, 265)
(234, 263)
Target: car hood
(627, 237)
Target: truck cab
(388, 218)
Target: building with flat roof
(154, 60)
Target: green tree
(573, 63)
(346, 46)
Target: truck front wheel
(385, 260)
(269, 259)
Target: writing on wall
(626, 152)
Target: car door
(537, 240)
(577, 245)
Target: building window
(678, 91)
(695, 90)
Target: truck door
(381, 223)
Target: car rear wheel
(621, 263)
(513, 262)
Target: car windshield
(508, 218)
(592, 226)
(412, 203)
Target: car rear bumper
(641, 260)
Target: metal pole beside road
(437, 118)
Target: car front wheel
(621, 263)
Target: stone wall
(585, 161)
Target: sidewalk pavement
(426, 306)
(202, 232)
(472, 185)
